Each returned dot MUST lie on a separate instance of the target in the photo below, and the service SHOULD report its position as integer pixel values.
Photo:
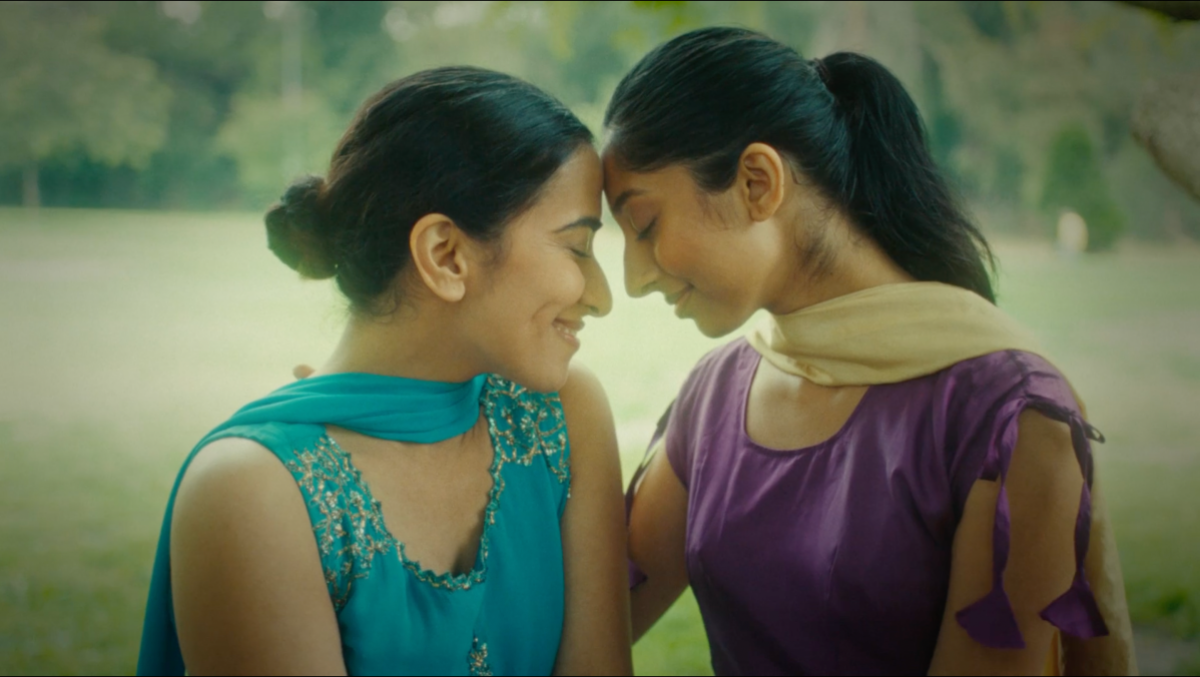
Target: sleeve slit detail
(991, 620)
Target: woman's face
(545, 281)
(707, 257)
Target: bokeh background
(140, 143)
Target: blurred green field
(125, 336)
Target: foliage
(1074, 182)
(207, 57)
(1014, 74)
(272, 145)
(996, 81)
(63, 91)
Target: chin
(717, 319)
(716, 328)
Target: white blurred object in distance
(451, 14)
(397, 24)
(521, 14)
(186, 12)
(274, 9)
(1072, 234)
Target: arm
(248, 588)
(1114, 654)
(657, 527)
(1044, 484)
(596, 626)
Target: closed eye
(645, 232)
(585, 252)
(588, 224)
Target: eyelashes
(645, 232)
(587, 251)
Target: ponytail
(895, 192)
(845, 121)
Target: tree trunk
(1180, 10)
(32, 196)
(1166, 122)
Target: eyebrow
(583, 222)
(619, 203)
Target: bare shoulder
(1045, 471)
(234, 494)
(233, 472)
(241, 527)
(585, 404)
(1036, 429)
(595, 638)
(583, 387)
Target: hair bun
(297, 232)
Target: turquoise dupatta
(387, 407)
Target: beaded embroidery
(348, 521)
(477, 660)
(540, 428)
(350, 527)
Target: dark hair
(469, 143)
(844, 121)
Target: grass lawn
(125, 336)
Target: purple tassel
(636, 576)
(1076, 612)
(991, 621)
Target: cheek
(571, 284)
(553, 285)
(680, 257)
(701, 263)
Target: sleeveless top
(835, 558)
(505, 616)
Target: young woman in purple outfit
(889, 478)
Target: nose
(640, 270)
(597, 297)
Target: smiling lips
(569, 330)
(678, 298)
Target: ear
(439, 253)
(761, 180)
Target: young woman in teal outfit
(443, 496)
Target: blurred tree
(206, 52)
(996, 82)
(63, 91)
(944, 128)
(1167, 122)
(1075, 183)
(1164, 121)
(990, 18)
(258, 135)
(1016, 77)
(1180, 10)
(311, 66)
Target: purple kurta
(835, 559)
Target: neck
(409, 344)
(836, 260)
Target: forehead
(580, 175)
(622, 185)
(573, 192)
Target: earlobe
(762, 175)
(439, 256)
